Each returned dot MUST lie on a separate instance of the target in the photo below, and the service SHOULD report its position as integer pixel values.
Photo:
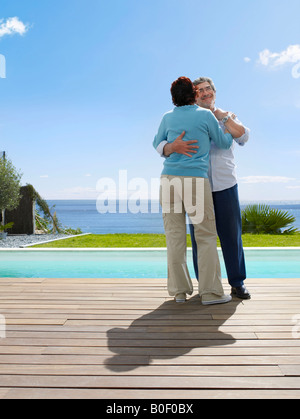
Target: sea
(121, 217)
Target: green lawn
(158, 240)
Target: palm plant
(44, 223)
(262, 219)
(4, 227)
(49, 222)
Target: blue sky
(87, 82)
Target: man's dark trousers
(229, 229)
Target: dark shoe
(241, 292)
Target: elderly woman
(185, 190)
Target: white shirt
(222, 167)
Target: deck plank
(125, 394)
(126, 338)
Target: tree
(9, 187)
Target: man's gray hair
(203, 80)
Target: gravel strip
(23, 240)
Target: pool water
(133, 264)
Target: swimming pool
(125, 263)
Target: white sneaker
(180, 298)
(218, 300)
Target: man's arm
(236, 129)
(181, 147)
(161, 134)
(221, 139)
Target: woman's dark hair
(183, 92)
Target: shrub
(262, 219)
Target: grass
(159, 240)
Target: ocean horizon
(83, 214)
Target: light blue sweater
(199, 124)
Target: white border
(118, 249)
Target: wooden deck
(126, 339)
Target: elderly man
(223, 180)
